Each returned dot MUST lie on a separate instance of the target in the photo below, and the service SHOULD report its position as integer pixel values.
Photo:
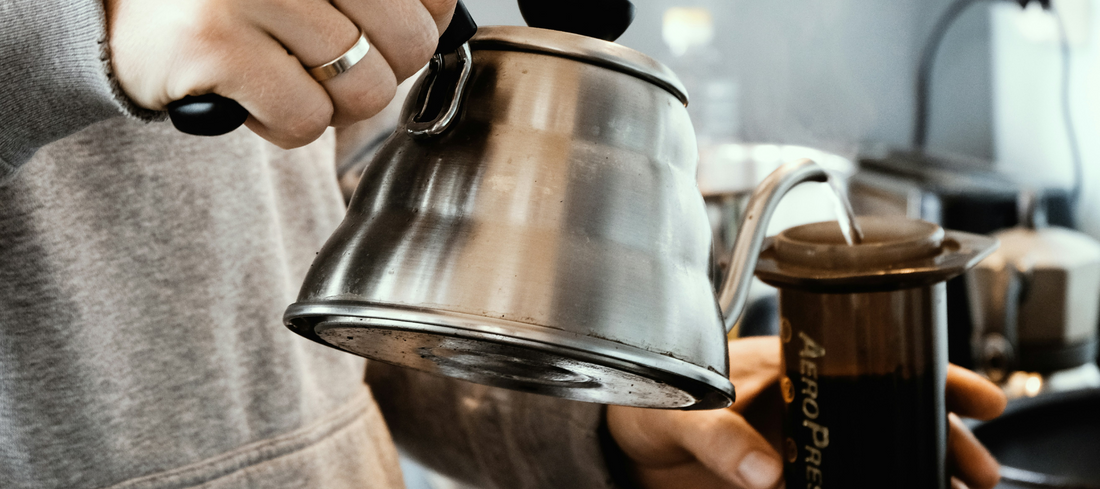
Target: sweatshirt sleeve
(55, 75)
(495, 438)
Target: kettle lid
(580, 48)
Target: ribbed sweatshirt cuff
(55, 75)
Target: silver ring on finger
(344, 62)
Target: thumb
(720, 442)
(728, 445)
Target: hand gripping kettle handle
(213, 115)
(754, 225)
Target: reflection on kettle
(539, 228)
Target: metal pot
(1034, 306)
(534, 224)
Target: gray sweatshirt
(143, 276)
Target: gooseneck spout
(750, 235)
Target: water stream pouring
(534, 224)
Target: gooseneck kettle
(534, 224)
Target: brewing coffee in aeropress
(863, 329)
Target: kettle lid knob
(602, 19)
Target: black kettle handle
(213, 115)
(602, 19)
(460, 30)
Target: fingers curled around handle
(441, 11)
(318, 33)
(404, 33)
(286, 106)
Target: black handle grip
(460, 30)
(602, 19)
(213, 115)
(206, 115)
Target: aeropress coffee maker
(863, 332)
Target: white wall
(1029, 134)
(831, 73)
(834, 74)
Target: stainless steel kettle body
(549, 239)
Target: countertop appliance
(1035, 307)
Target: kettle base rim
(524, 356)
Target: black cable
(1067, 118)
(924, 80)
(924, 70)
